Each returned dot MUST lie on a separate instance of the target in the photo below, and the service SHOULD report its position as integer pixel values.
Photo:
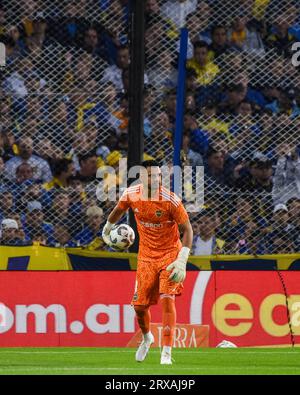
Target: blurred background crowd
(64, 115)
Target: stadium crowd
(64, 115)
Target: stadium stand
(64, 115)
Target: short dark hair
(217, 27)
(150, 163)
(245, 101)
(201, 44)
(86, 156)
(61, 166)
(123, 46)
(235, 88)
(211, 151)
(261, 163)
(189, 112)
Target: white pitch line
(176, 351)
(145, 369)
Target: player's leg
(168, 290)
(169, 323)
(146, 294)
(143, 319)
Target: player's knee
(165, 297)
(168, 303)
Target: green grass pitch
(120, 361)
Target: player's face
(154, 178)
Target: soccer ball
(121, 237)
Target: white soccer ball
(121, 237)
(226, 344)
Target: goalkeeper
(162, 257)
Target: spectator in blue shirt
(256, 244)
(281, 242)
(284, 103)
(60, 211)
(61, 236)
(219, 44)
(41, 167)
(198, 137)
(24, 175)
(217, 168)
(6, 202)
(9, 233)
(35, 221)
(240, 229)
(93, 227)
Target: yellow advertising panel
(44, 258)
(33, 258)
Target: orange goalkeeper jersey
(157, 221)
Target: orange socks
(143, 318)
(168, 319)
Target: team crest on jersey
(158, 213)
(135, 297)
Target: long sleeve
(280, 173)
(297, 174)
(286, 180)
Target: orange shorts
(152, 280)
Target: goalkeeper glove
(178, 267)
(106, 231)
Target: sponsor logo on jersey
(150, 225)
(135, 297)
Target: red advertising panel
(249, 308)
(93, 308)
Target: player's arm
(178, 267)
(117, 213)
(187, 234)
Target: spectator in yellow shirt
(62, 171)
(205, 69)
